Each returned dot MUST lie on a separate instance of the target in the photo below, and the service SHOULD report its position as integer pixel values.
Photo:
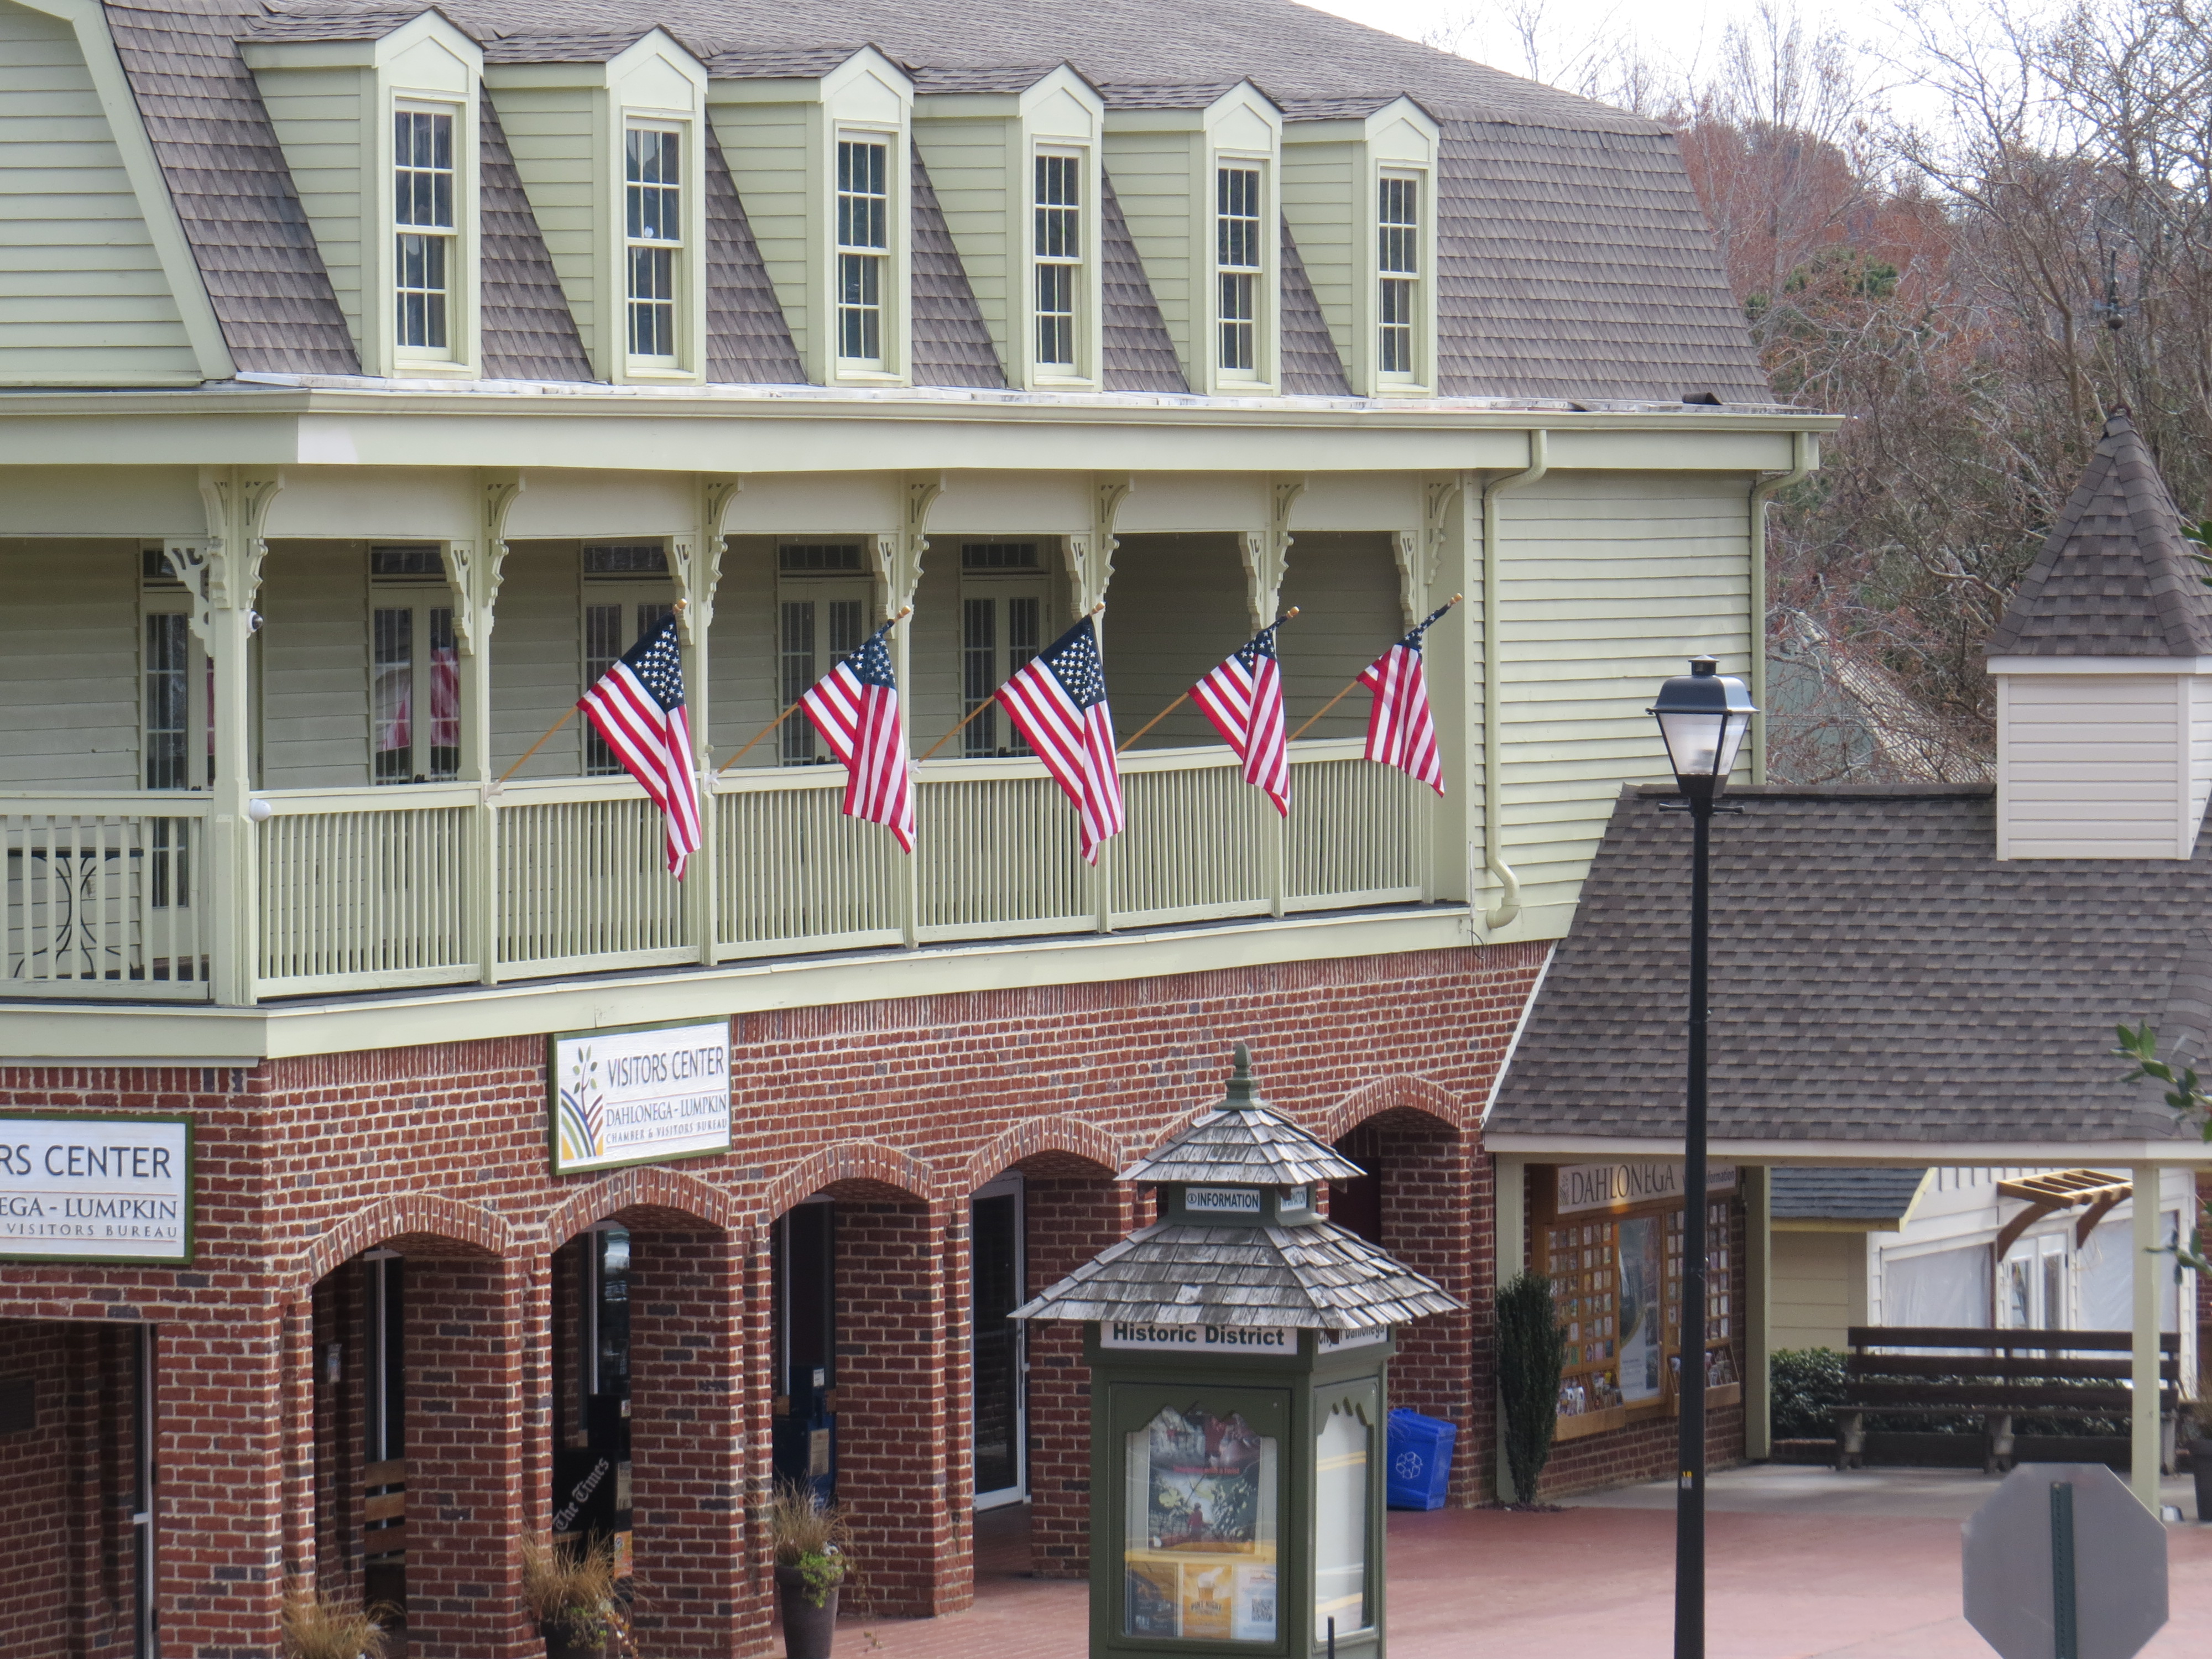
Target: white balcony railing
(371, 889)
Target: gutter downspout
(1804, 456)
(1493, 676)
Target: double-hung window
(627, 594)
(863, 218)
(653, 192)
(823, 590)
(1398, 266)
(1059, 257)
(414, 668)
(1005, 594)
(423, 252)
(1239, 263)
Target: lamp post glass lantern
(1703, 716)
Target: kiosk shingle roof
(1576, 264)
(2115, 578)
(1312, 1278)
(1877, 975)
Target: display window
(1615, 1266)
(1201, 1527)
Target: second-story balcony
(384, 845)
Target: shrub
(315, 1630)
(1530, 1347)
(569, 1589)
(1807, 1382)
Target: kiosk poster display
(1199, 1557)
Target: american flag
(1400, 732)
(855, 707)
(1244, 698)
(638, 706)
(1058, 702)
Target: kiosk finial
(1243, 1090)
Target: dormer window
(1237, 260)
(423, 229)
(1059, 258)
(653, 237)
(863, 218)
(1398, 267)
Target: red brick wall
(686, 1445)
(304, 1162)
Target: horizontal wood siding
(82, 295)
(320, 118)
(741, 651)
(2200, 748)
(1345, 586)
(968, 167)
(766, 147)
(2092, 766)
(1154, 178)
(537, 661)
(1322, 203)
(549, 130)
(314, 666)
(69, 664)
(1610, 583)
(1176, 608)
(1819, 1288)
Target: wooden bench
(1917, 1370)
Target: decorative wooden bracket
(1091, 555)
(223, 570)
(898, 558)
(1421, 558)
(695, 561)
(474, 568)
(1267, 552)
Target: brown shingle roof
(1139, 353)
(1310, 365)
(2115, 578)
(529, 332)
(951, 342)
(1877, 974)
(748, 341)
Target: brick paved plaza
(1806, 1565)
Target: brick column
(220, 1415)
(339, 1418)
(465, 1460)
(687, 1443)
(892, 1409)
(756, 1588)
(1071, 1219)
(1431, 1186)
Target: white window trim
(1416, 326)
(453, 237)
(891, 300)
(1083, 321)
(1266, 277)
(686, 251)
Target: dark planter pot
(807, 1630)
(560, 1647)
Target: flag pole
(1125, 748)
(538, 745)
(781, 719)
(991, 700)
(1350, 688)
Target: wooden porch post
(695, 563)
(473, 572)
(2143, 1420)
(1759, 1313)
(222, 572)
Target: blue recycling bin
(1420, 1451)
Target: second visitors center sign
(640, 1094)
(84, 1187)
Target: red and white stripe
(654, 746)
(1076, 745)
(1400, 732)
(862, 726)
(1245, 704)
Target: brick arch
(1394, 1094)
(850, 1160)
(418, 1218)
(1067, 1137)
(673, 1195)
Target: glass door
(803, 1260)
(997, 1273)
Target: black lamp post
(1703, 718)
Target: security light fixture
(1703, 716)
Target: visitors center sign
(640, 1094)
(92, 1188)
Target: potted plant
(314, 1629)
(810, 1539)
(569, 1589)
